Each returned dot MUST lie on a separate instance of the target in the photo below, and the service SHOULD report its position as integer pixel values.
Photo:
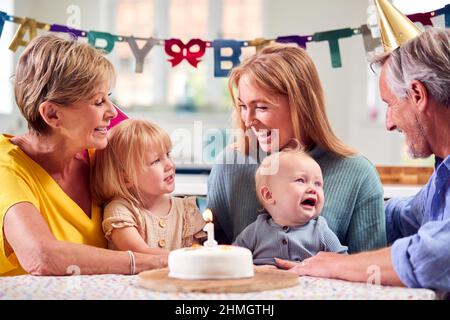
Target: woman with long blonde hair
(278, 98)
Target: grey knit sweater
(353, 198)
(268, 240)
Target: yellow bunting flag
(259, 43)
(26, 24)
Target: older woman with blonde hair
(49, 223)
(278, 97)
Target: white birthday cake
(215, 262)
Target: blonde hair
(261, 179)
(287, 70)
(57, 70)
(120, 163)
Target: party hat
(396, 28)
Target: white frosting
(218, 262)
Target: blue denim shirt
(419, 228)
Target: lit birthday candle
(209, 229)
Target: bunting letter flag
(73, 32)
(140, 54)
(392, 26)
(371, 44)
(218, 45)
(423, 18)
(110, 39)
(446, 12)
(192, 51)
(447, 15)
(299, 40)
(26, 24)
(332, 37)
(3, 17)
(259, 43)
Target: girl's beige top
(181, 227)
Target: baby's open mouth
(310, 202)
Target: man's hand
(352, 267)
(321, 265)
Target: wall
(7, 121)
(345, 88)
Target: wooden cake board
(264, 279)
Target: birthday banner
(194, 49)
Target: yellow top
(23, 180)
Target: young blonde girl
(133, 178)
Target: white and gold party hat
(395, 27)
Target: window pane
(242, 19)
(183, 87)
(188, 19)
(133, 17)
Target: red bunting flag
(192, 51)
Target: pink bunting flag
(423, 18)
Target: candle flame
(207, 215)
